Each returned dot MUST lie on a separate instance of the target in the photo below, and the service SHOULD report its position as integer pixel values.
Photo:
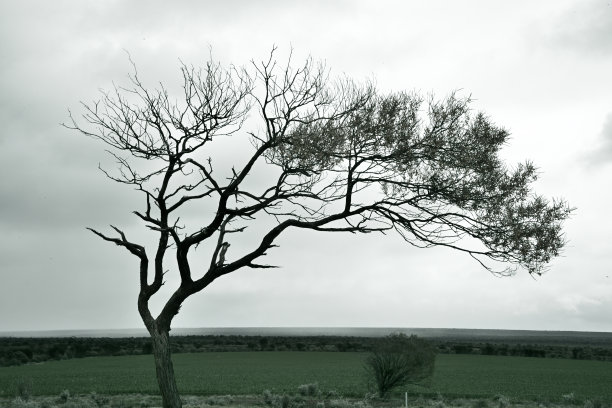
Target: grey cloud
(602, 154)
(585, 28)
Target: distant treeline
(17, 351)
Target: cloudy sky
(541, 69)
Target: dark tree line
(18, 351)
(579, 352)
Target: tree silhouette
(398, 360)
(337, 157)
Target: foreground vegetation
(250, 373)
(294, 400)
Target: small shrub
(268, 397)
(99, 400)
(438, 403)
(332, 394)
(502, 401)
(24, 389)
(368, 398)
(64, 396)
(309, 390)
(596, 403)
(361, 404)
(569, 398)
(480, 403)
(285, 401)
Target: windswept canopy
(348, 158)
(438, 174)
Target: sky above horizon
(540, 69)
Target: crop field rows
(241, 373)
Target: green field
(252, 372)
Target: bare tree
(345, 158)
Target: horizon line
(375, 331)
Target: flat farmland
(240, 373)
(523, 378)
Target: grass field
(252, 372)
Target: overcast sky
(541, 69)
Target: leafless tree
(345, 158)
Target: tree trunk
(164, 369)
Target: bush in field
(399, 360)
(502, 401)
(594, 403)
(309, 390)
(569, 398)
(24, 388)
(268, 397)
(480, 403)
(64, 396)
